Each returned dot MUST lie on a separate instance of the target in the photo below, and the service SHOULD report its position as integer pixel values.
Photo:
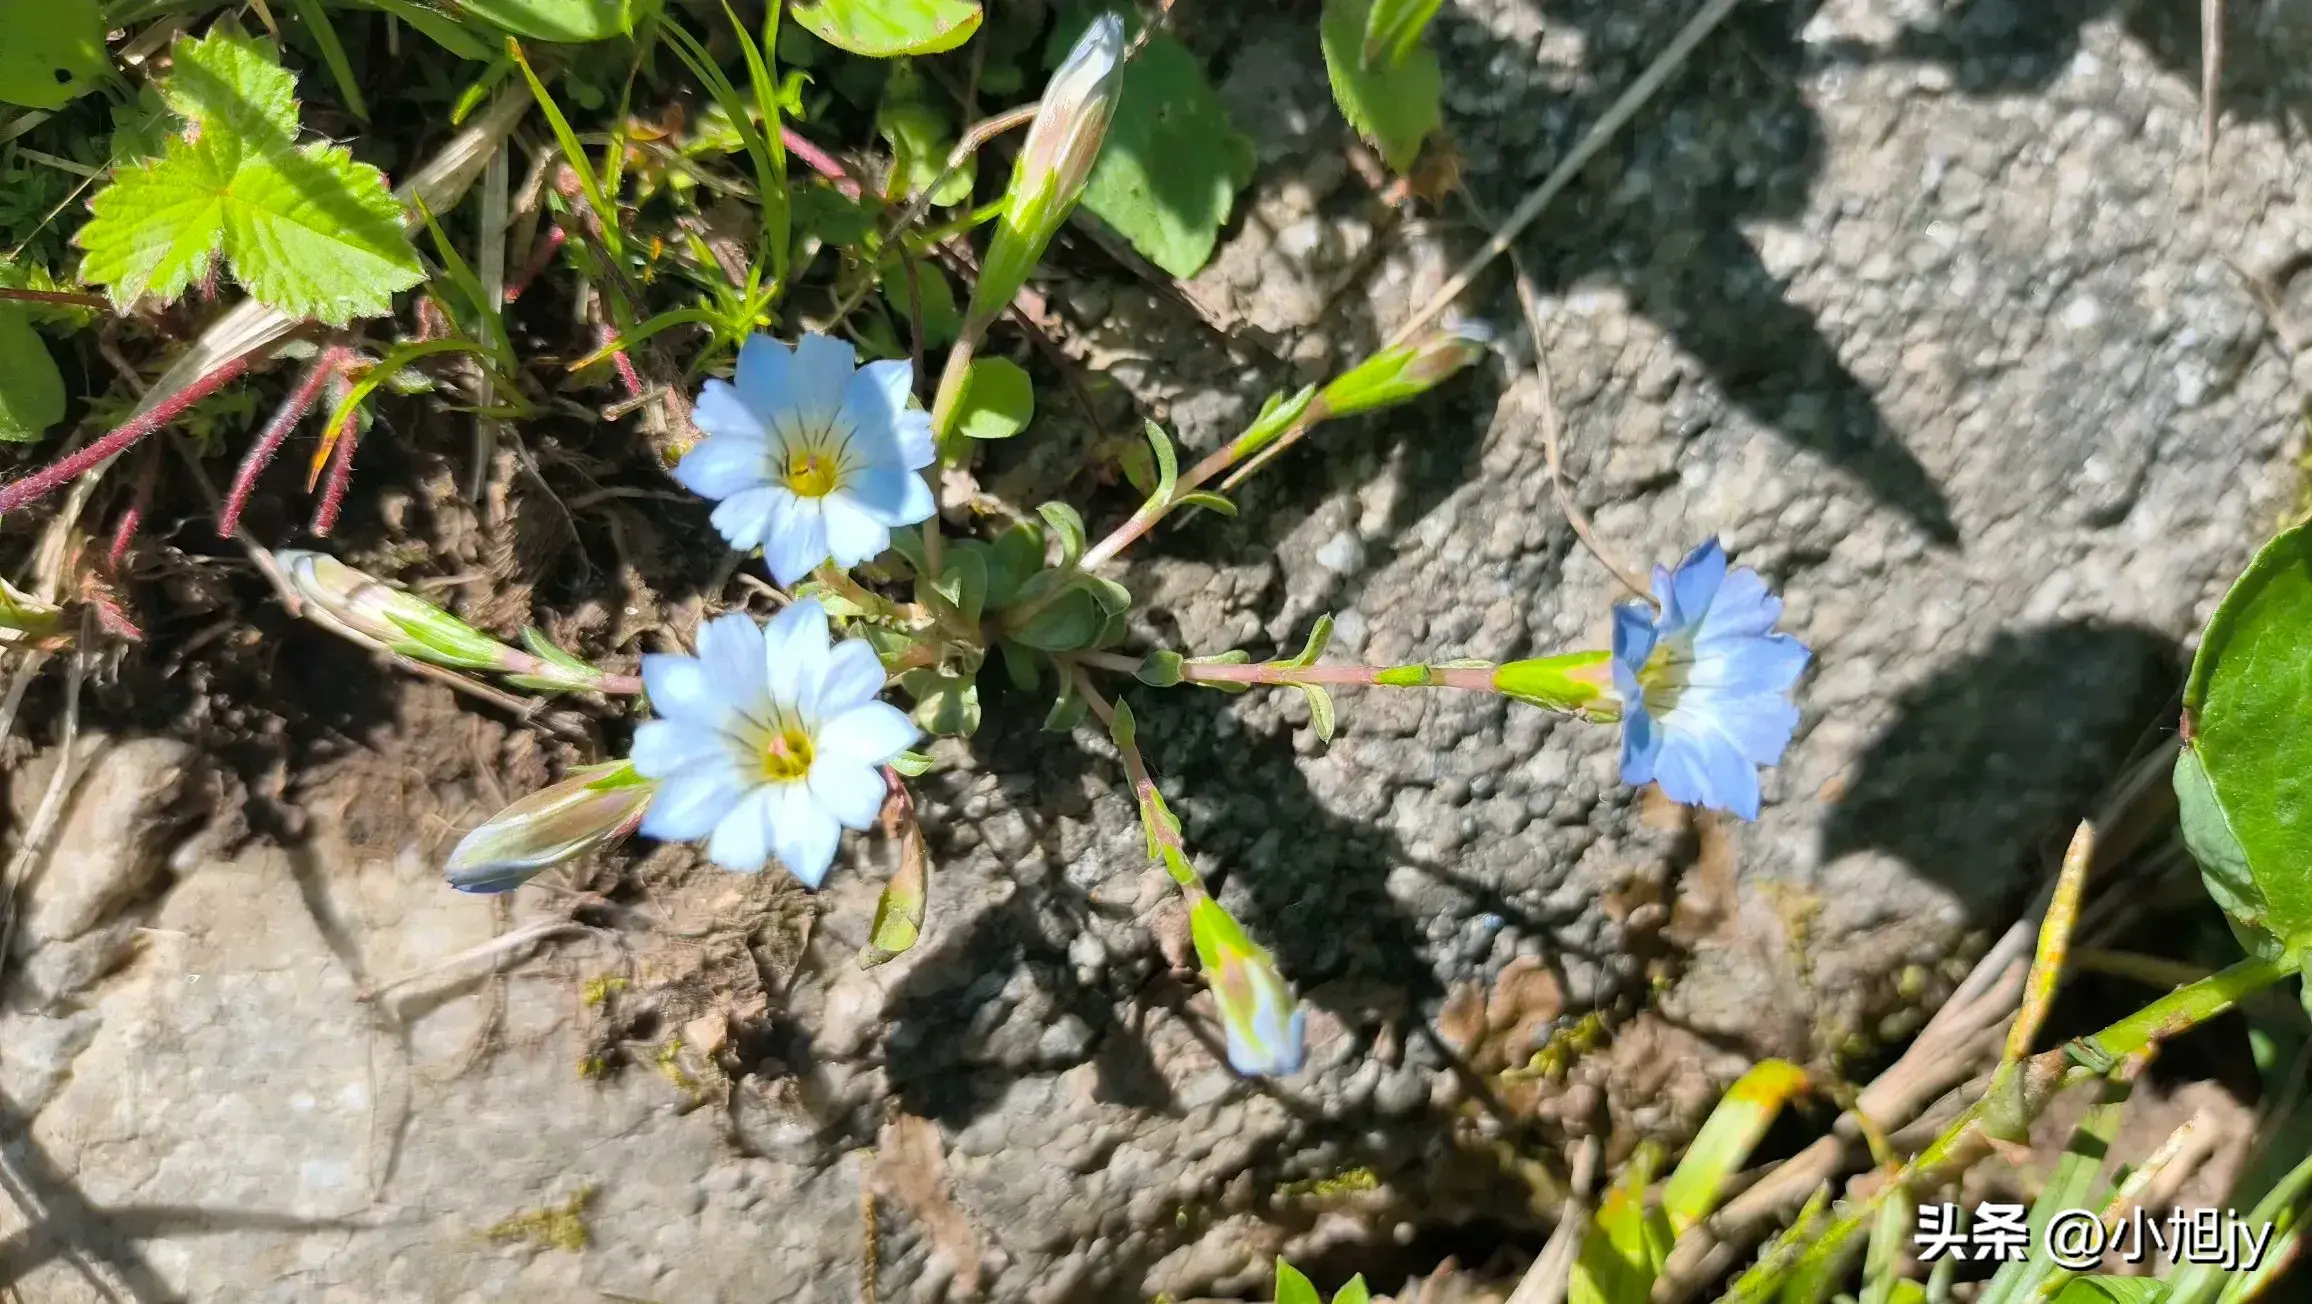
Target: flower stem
(1215, 462)
(1162, 834)
(1414, 675)
(294, 408)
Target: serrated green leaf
(232, 84)
(998, 400)
(31, 388)
(308, 231)
(1171, 166)
(2251, 733)
(885, 29)
(1320, 711)
(54, 51)
(1394, 107)
(570, 22)
(1067, 526)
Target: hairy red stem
(140, 499)
(64, 297)
(340, 478)
(549, 244)
(260, 455)
(64, 470)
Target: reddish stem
(819, 161)
(62, 297)
(549, 244)
(64, 470)
(260, 455)
(340, 477)
(140, 499)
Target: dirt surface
(1923, 309)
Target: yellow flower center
(787, 755)
(1664, 678)
(811, 473)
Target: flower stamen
(812, 473)
(787, 754)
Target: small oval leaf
(886, 29)
(998, 400)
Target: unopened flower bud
(1062, 145)
(1580, 683)
(595, 806)
(1264, 1024)
(1408, 370)
(371, 612)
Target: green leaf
(316, 21)
(1394, 107)
(1068, 709)
(1320, 635)
(2111, 1290)
(884, 29)
(1722, 1148)
(1209, 501)
(921, 138)
(944, 704)
(54, 52)
(1167, 466)
(2249, 707)
(1068, 526)
(911, 764)
(1320, 711)
(1171, 166)
(998, 400)
(1067, 624)
(1013, 557)
(1294, 1287)
(571, 22)
(1160, 669)
(942, 319)
(307, 230)
(2075, 1184)
(962, 582)
(1356, 1292)
(1392, 29)
(31, 388)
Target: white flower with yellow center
(809, 457)
(770, 742)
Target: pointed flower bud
(367, 610)
(1408, 370)
(594, 806)
(1580, 683)
(1264, 1024)
(1063, 142)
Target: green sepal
(1160, 669)
(912, 764)
(1577, 682)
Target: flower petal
(893, 496)
(722, 412)
(804, 833)
(795, 653)
(1634, 636)
(1756, 665)
(680, 688)
(853, 674)
(765, 375)
(730, 647)
(870, 734)
(720, 466)
(1641, 743)
(1757, 725)
(1693, 585)
(876, 395)
(742, 838)
(692, 802)
(817, 383)
(853, 793)
(1700, 767)
(665, 747)
(797, 539)
(746, 516)
(853, 536)
(1742, 608)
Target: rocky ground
(1923, 308)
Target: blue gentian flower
(1705, 683)
(809, 457)
(770, 741)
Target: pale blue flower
(1262, 1022)
(1705, 683)
(809, 457)
(770, 742)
